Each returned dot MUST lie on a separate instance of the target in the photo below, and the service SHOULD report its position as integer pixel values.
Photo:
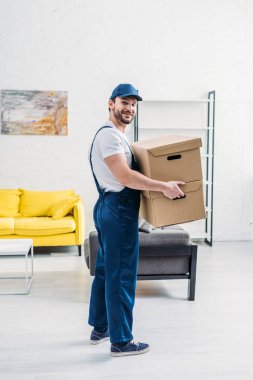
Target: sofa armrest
(78, 214)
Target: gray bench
(165, 253)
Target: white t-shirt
(109, 141)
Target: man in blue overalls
(116, 220)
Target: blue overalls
(113, 288)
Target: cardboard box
(171, 158)
(160, 211)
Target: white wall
(167, 49)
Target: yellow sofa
(50, 218)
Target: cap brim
(133, 95)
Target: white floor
(45, 335)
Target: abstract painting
(34, 112)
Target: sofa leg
(79, 250)
(192, 273)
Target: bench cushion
(163, 265)
(153, 246)
(163, 235)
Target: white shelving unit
(189, 117)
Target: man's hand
(173, 190)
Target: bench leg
(192, 273)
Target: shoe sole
(99, 341)
(130, 352)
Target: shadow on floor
(72, 250)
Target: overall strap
(95, 179)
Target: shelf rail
(210, 167)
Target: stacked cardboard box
(171, 158)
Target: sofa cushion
(9, 202)
(6, 226)
(38, 203)
(39, 226)
(63, 207)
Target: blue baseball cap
(125, 89)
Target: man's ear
(111, 104)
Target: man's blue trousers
(113, 288)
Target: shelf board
(198, 237)
(174, 129)
(178, 100)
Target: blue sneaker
(97, 337)
(130, 348)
